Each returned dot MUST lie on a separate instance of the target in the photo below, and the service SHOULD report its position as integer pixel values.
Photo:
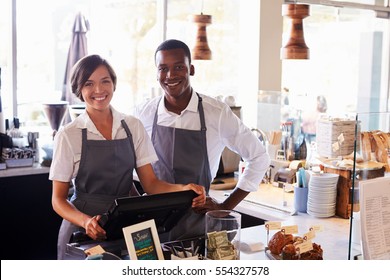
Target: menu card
(374, 197)
(142, 241)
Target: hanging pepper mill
(201, 50)
(295, 47)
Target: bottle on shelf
(312, 161)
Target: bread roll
(381, 148)
(288, 239)
(366, 145)
(315, 254)
(289, 252)
(276, 243)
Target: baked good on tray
(278, 241)
(289, 252)
(315, 254)
(374, 146)
(283, 246)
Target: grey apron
(105, 173)
(183, 159)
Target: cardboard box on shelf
(335, 137)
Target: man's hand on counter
(230, 202)
(211, 204)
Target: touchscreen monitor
(166, 209)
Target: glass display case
(371, 160)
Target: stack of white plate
(321, 201)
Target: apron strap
(201, 114)
(204, 141)
(155, 120)
(130, 136)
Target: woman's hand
(94, 230)
(200, 200)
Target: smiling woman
(96, 89)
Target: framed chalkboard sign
(142, 241)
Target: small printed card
(273, 225)
(96, 250)
(290, 229)
(142, 241)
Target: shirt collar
(192, 105)
(84, 121)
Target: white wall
(262, 55)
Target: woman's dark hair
(84, 68)
(172, 44)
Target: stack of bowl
(322, 194)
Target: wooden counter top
(21, 171)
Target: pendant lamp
(295, 48)
(201, 50)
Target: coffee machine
(55, 114)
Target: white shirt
(224, 129)
(67, 144)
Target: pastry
(289, 252)
(284, 246)
(276, 243)
(366, 145)
(314, 254)
(310, 255)
(380, 148)
(297, 240)
(317, 248)
(288, 239)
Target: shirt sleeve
(143, 146)
(145, 113)
(62, 165)
(240, 139)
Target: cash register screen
(166, 209)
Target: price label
(310, 235)
(317, 228)
(273, 225)
(335, 146)
(290, 229)
(304, 247)
(341, 138)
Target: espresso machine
(55, 114)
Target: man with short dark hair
(190, 131)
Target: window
(126, 33)
(349, 48)
(5, 50)
(349, 62)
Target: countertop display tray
(23, 162)
(272, 256)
